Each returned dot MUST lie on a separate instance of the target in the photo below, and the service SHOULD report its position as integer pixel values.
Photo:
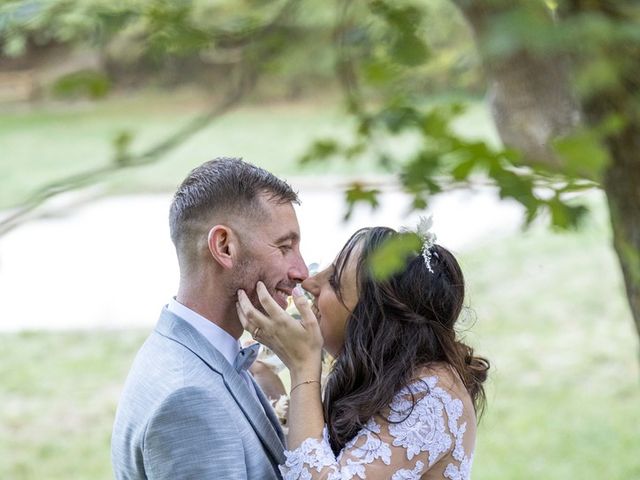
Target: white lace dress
(435, 440)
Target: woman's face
(335, 299)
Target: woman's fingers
(304, 307)
(249, 316)
(276, 322)
(268, 303)
(243, 318)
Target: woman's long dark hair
(398, 325)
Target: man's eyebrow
(292, 236)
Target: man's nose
(299, 270)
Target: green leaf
(583, 154)
(392, 254)
(355, 150)
(83, 83)
(397, 118)
(419, 202)
(379, 73)
(463, 169)
(436, 122)
(406, 18)
(518, 186)
(365, 124)
(15, 46)
(420, 171)
(409, 50)
(481, 152)
(531, 214)
(358, 193)
(172, 29)
(512, 185)
(612, 124)
(320, 150)
(122, 143)
(600, 73)
(565, 216)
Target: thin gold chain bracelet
(303, 383)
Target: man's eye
(285, 248)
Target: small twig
(74, 182)
(344, 66)
(234, 40)
(247, 80)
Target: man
(189, 409)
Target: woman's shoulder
(440, 374)
(441, 371)
(434, 420)
(437, 382)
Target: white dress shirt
(219, 338)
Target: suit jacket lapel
(179, 330)
(266, 405)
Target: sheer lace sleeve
(423, 434)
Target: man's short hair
(223, 186)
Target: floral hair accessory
(428, 239)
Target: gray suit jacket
(186, 413)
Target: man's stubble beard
(246, 277)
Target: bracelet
(303, 383)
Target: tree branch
(245, 83)
(235, 40)
(247, 80)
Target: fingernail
(298, 291)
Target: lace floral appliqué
(373, 447)
(313, 454)
(406, 474)
(429, 427)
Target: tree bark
(622, 186)
(529, 92)
(621, 180)
(533, 102)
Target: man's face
(271, 253)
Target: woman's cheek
(328, 335)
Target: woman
(401, 399)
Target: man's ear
(222, 243)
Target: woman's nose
(310, 284)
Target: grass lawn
(564, 395)
(57, 140)
(548, 309)
(563, 398)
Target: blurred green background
(547, 307)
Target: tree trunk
(532, 103)
(622, 186)
(621, 180)
(529, 92)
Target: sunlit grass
(58, 393)
(564, 394)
